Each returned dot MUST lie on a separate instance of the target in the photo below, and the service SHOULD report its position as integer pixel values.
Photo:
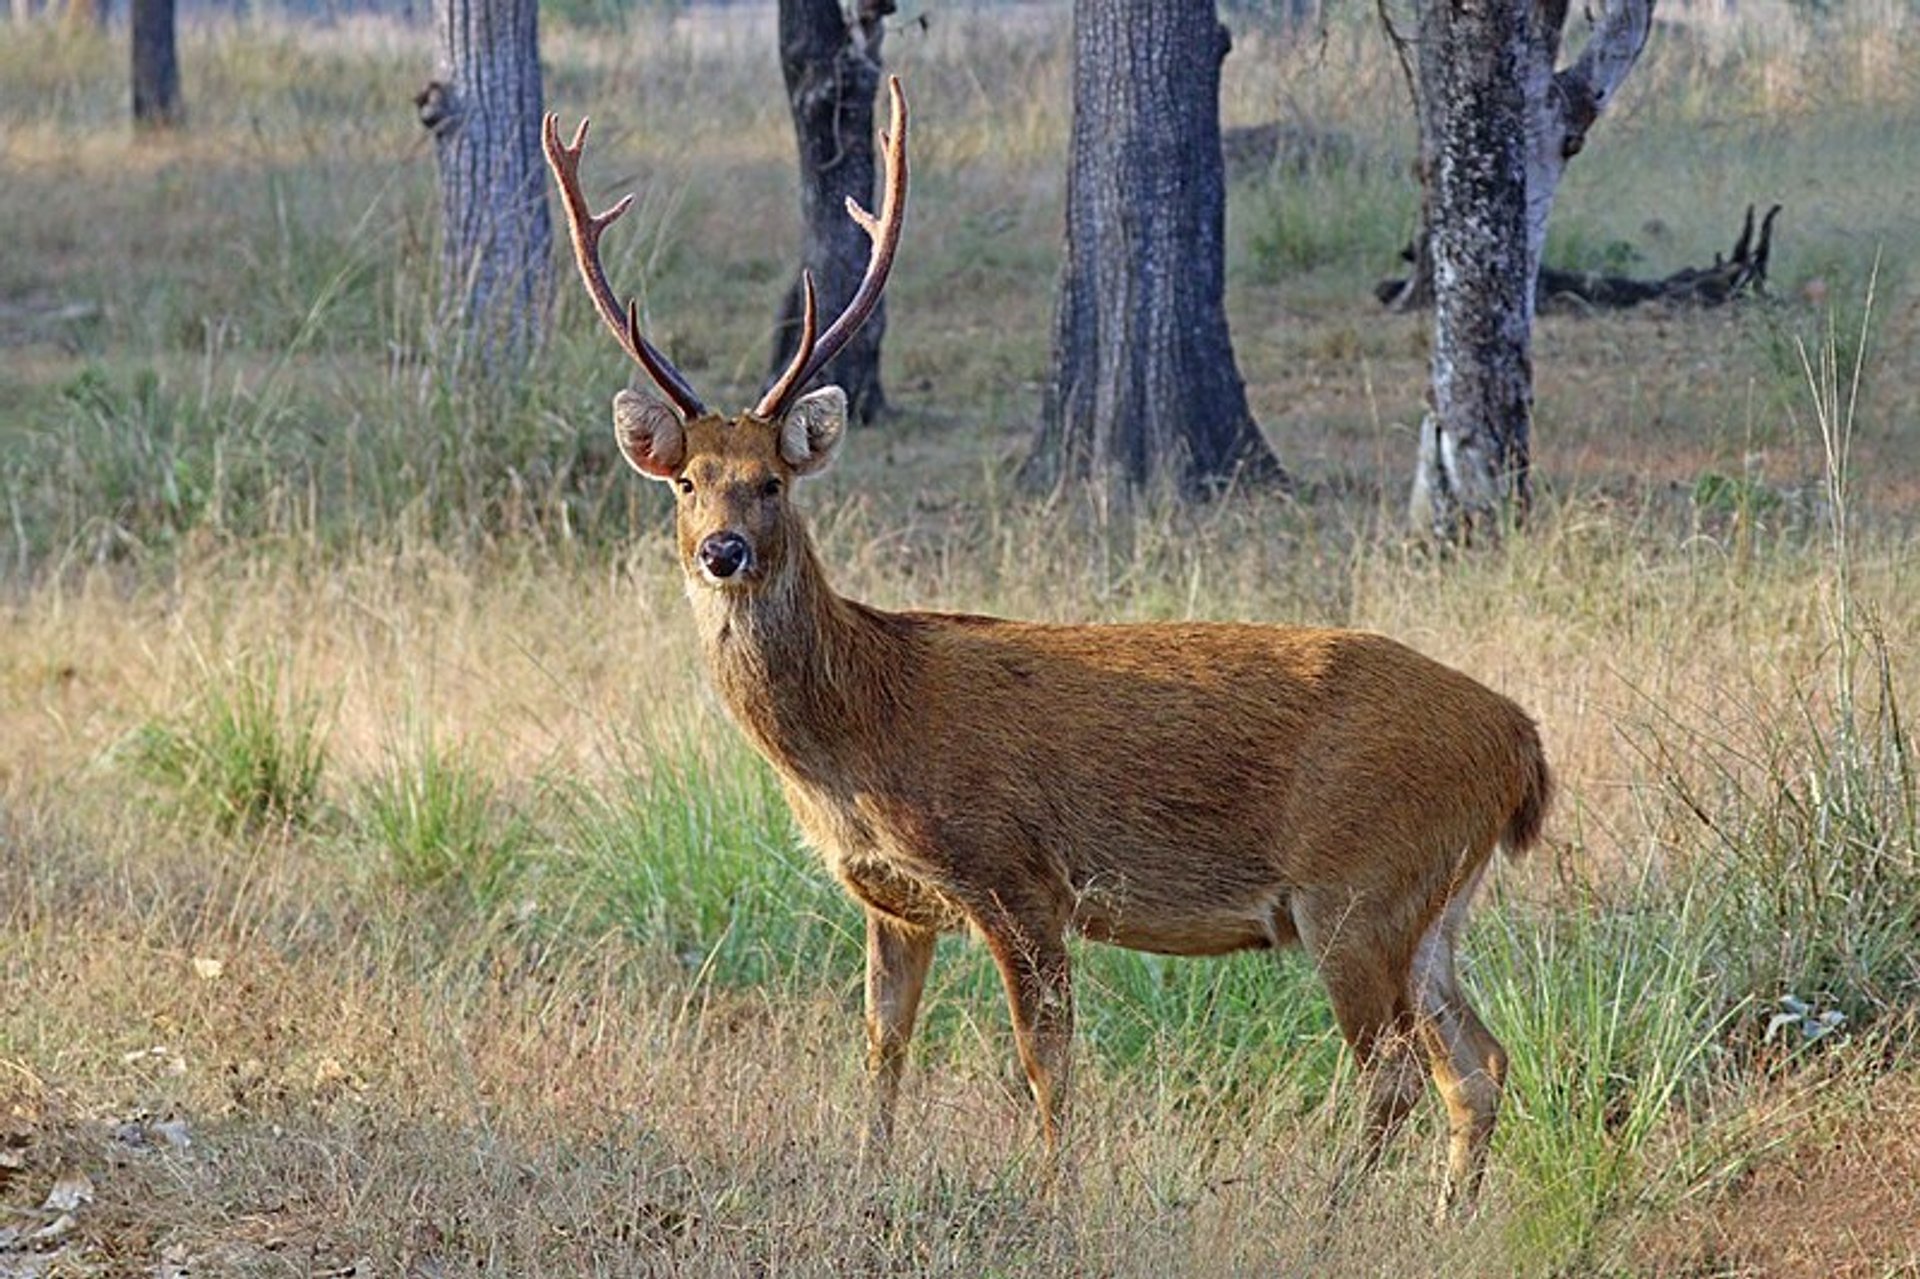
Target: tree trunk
(484, 111)
(156, 68)
(1474, 441)
(1563, 105)
(1144, 388)
(1498, 126)
(833, 70)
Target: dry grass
(537, 980)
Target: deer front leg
(1033, 964)
(898, 956)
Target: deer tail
(1536, 797)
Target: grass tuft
(247, 753)
(699, 860)
(437, 820)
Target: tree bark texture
(1474, 442)
(1562, 107)
(484, 111)
(1144, 388)
(833, 71)
(156, 65)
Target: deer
(1182, 788)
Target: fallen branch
(1744, 271)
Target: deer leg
(898, 956)
(1367, 988)
(1468, 1063)
(1033, 964)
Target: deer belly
(1256, 925)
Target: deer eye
(685, 486)
(771, 488)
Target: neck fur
(805, 672)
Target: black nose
(724, 554)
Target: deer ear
(813, 429)
(650, 435)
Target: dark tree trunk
(1144, 388)
(833, 71)
(1474, 442)
(484, 111)
(156, 67)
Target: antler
(586, 228)
(884, 231)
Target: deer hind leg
(898, 956)
(1366, 980)
(1469, 1065)
(1033, 963)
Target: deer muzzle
(723, 555)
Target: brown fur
(1188, 789)
(1183, 788)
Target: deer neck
(809, 675)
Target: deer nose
(724, 554)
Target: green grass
(248, 752)
(699, 860)
(1623, 1027)
(438, 820)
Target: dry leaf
(330, 1079)
(207, 968)
(176, 1262)
(70, 1190)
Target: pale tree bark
(1564, 104)
(1498, 125)
(831, 60)
(156, 65)
(484, 109)
(1144, 389)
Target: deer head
(732, 475)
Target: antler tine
(781, 391)
(884, 231)
(586, 227)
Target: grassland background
(380, 885)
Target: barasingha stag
(1182, 788)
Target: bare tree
(1144, 387)
(484, 109)
(156, 65)
(831, 60)
(1498, 125)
